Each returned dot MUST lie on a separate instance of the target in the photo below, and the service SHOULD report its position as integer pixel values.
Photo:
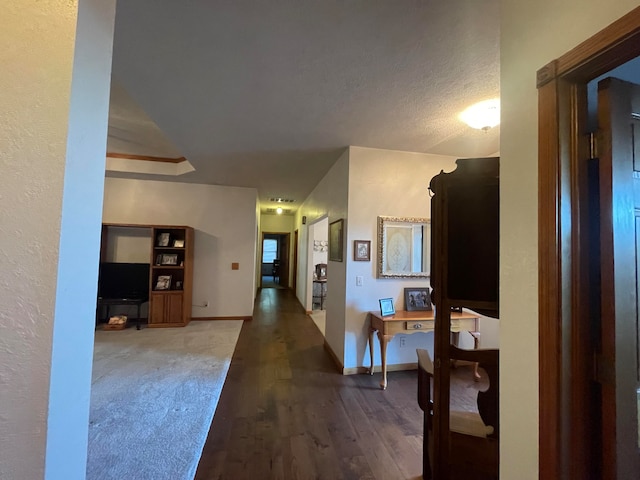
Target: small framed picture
(386, 307)
(417, 299)
(163, 282)
(169, 259)
(178, 243)
(163, 239)
(362, 250)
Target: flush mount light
(483, 116)
(279, 211)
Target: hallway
(286, 413)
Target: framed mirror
(404, 247)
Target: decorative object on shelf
(163, 239)
(404, 247)
(386, 307)
(178, 243)
(320, 246)
(159, 259)
(335, 240)
(163, 282)
(169, 259)
(179, 285)
(417, 299)
(321, 271)
(362, 250)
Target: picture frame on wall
(335, 240)
(417, 299)
(362, 250)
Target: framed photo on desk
(386, 307)
(417, 299)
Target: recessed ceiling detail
(147, 167)
(281, 200)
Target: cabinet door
(157, 309)
(173, 308)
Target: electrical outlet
(358, 280)
(403, 341)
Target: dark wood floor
(286, 413)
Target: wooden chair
(472, 437)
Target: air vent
(281, 200)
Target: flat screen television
(123, 280)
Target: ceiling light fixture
(279, 211)
(483, 115)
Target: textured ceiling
(269, 94)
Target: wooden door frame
(564, 360)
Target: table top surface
(403, 315)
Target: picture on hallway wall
(362, 250)
(335, 240)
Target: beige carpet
(154, 393)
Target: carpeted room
(153, 395)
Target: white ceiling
(269, 94)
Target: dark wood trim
(609, 48)
(147, 158)
(563, 223)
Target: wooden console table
(407, 323)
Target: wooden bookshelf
(171, 276)
(170, 255)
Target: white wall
(225, 226)
(328, 198)
(380, 182)
(532, 34)
(56, 61)
(391, 183)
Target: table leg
(371, 330)
(384, 340)
(476, 339)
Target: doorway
(587, 309)
(274, 265)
